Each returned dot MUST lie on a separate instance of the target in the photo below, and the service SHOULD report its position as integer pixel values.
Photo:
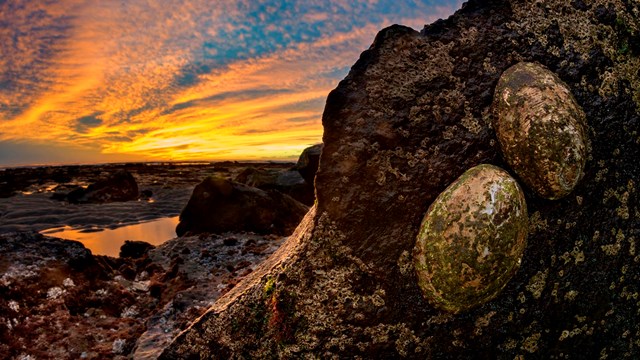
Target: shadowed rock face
(309, 161)
(412, 115)
(219, 205)
(288, 182)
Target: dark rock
(308, 162)
(412, 115)
(134, 249)
(127, 271)
(288, 182)
(119, 186)
(60, 192)
(146, 194)
(230, 241)
(220, 205)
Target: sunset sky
(88, 81)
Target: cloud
(85, 123)
(196, 79)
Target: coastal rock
(412, 116)
(134, 249)
(308, 162)
(16, 180)
(119, 186)
(471, 240)
(288, 182)
(541, 129)
(218, 205)
(83, 306)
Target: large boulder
(308, 162)
(414, 114)
(119, 186)
(219, 205)
(288, 182)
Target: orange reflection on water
(109, 241)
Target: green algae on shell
(541, 129)
(471, 240)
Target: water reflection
(109, 241)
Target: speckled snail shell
(541, 129)
(471, 240)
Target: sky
(88, 81)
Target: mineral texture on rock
(541, 129)
(471, 239)
(412, 116)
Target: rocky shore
(414, 114)
(60, 301)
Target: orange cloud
(165, 80)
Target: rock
(412, 116)
(78, 304)
(134, 249)
(60, 192)
(219, 205)
(471, 240)
(146, 194)
(288, 182)
(308, 162)
(119, 186)
(541, 129)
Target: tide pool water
(108, 241)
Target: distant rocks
(119, 186)
(15, 180)
(308, 162)
(220, 205)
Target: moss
(269, 287)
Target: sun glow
(199, 81)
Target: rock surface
(218, 205)
(57, 301)
(412, 115)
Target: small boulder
(219, 205)
(308, 162)
(146, 194)
(134, 249)
(119, 186)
